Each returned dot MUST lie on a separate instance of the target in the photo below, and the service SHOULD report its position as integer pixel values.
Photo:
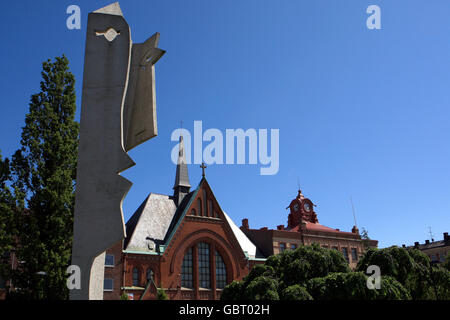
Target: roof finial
(203, 166)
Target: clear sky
(362, 113)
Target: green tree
(285, 275)
(43, 179)
(410, 267)
(353, 286)
(446, 264)
(262, 288)
(6, 219)
(312, 272)
(161, 295)
(308, 262)
(365, 238)
(295, 292)
(234, 291)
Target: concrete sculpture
(118, 113)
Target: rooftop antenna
(431, 234)
(353, 210)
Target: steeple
(181, 186)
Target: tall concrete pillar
(118, 112)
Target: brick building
(437, 251)
(303, 228)
(183, 243)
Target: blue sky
(362, 113)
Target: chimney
(280, 227)
(355, 230)
(446, 238)
(416, 244)
(427, 241)
(245, 224)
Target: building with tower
(303, 228)
(186, 245)
(183, 243)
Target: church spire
(181, 186)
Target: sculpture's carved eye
(110, 34)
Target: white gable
(245, 243)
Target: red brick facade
(205, 224)
(304, 229)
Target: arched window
(193, 213)
(199, 205)
(221, 272)
(135, 277)
(203, 265)
(186, 270)
(205, 203)
(201, 268)
(211, 212)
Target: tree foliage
(446, 264)
(353, 286)
(410, 267)
(295, 292)
(43, 173)
(284, 276)
(6, 219)
(161, 295)
(312, 272)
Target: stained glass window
(186, 270)
(203, 265)
(221, 272)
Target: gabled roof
(157, 219)
(151, 220)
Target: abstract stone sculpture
(118, 113)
